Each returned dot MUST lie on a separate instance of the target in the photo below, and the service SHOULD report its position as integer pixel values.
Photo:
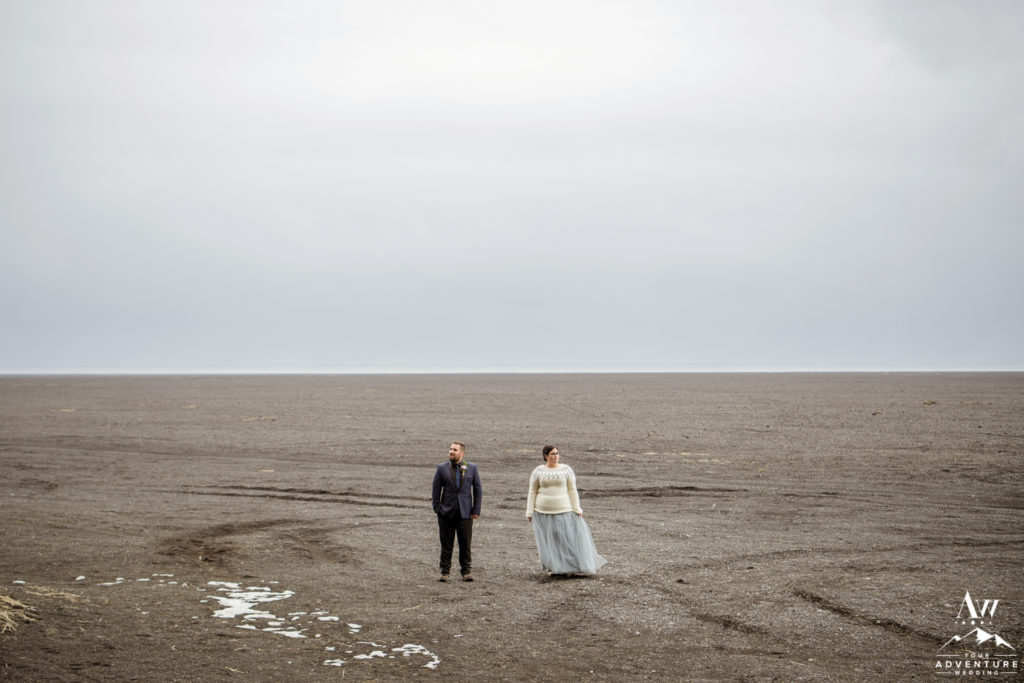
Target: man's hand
(474, 516)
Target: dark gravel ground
(758, 527)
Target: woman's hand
(529, 518)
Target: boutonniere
(463, 467)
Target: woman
(553, 505)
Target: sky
(465, 186)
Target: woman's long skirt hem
(565, 545)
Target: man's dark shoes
(444, 578)
(467, 577)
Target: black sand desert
(757, 527)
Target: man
(456, 497)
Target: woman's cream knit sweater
(552, 491)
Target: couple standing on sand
(552, 505)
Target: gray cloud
(399, 186)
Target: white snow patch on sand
(410, 649)
(246, 604)
(240, 603)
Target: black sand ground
(758, 527)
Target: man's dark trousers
(452, 526)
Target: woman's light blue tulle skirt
(565, 545)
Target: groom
(456, 497)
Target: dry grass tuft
(44, 592)
(12, 612)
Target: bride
(563, 539)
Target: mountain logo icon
(976, 638)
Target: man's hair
(547, 451)
(462, 446)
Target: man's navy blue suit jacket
(447, 498)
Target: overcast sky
(400, 185)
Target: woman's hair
(547, 451)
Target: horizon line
(192, 371)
